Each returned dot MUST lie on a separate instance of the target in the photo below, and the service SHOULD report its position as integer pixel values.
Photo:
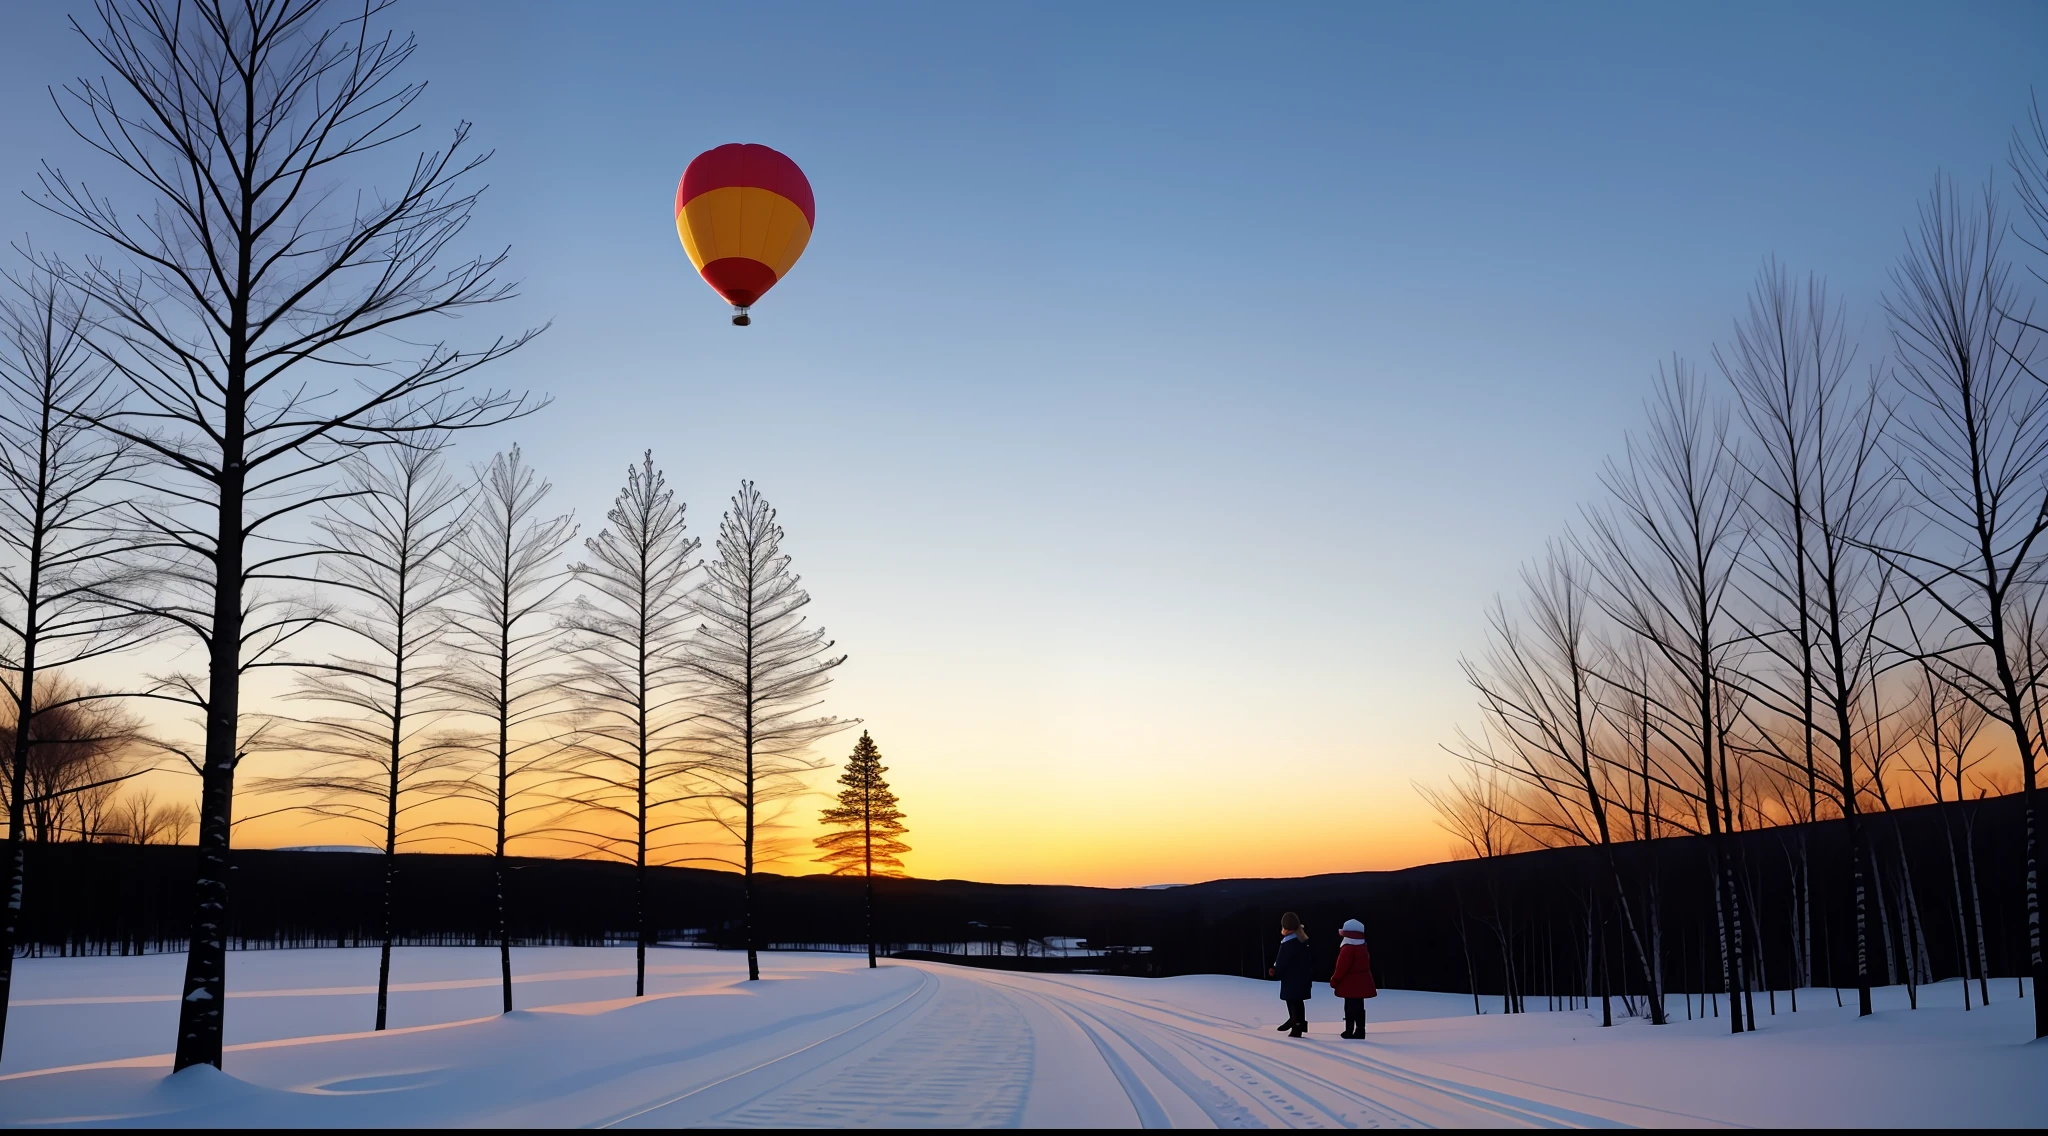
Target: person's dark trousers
(1354, 1017)
(1297, 1012)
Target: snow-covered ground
(824, 1041)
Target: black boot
(1283, 1027)
(1299, 1029)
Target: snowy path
(825, 1042)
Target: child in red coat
(1352, 980)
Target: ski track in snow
(825, 1042)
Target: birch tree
(267, 320)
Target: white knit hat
(1354, 927)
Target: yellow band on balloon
(758, 224)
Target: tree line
(1431, 926)
(226, 433)
(1814, 586)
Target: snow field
(823, 1041)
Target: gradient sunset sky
(1166, 389)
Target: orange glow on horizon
(1108, 838)
(1101, 771)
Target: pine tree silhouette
(869, 840)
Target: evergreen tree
(871, 828)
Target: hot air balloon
(745, 214)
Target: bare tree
(263, 319)
(1778, 368)
(1973, 457)
(1666, 549)
(2028, 158)
(506, 563)
(1540, 695)
(57, 566)
(374, 762)
(1946, 738)
(139, 818)
(135, 817)
(760, 673)
(83, 747)
(632, 683)
(179, 821)
(1478, 810)
(1819, 494)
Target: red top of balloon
(750, 165)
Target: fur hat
(1353, 929)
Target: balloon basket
(740, 318)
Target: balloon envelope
(744, 213)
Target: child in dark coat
(1291, 966)
(1352, 980)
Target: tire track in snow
(1258, 1086)
(1521, 1109)
(956, 1066)
(1229, 1085)
(1278, 1085)
(1284, 1079)
(1508, 1105)
(779, 1070)
(1150, 1113)
(957, 1051)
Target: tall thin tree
(631, 682)
(267, 320)
(1478, 809)
(1973, 451)
(1779, 365)
(870, 827)
(375, 761)
(761, 671)
(1540, 696)
(56, 547)
(1819, 493)
(1666, 549)
(505, 670)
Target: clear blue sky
(1166, 388)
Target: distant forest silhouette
(1509, 930)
